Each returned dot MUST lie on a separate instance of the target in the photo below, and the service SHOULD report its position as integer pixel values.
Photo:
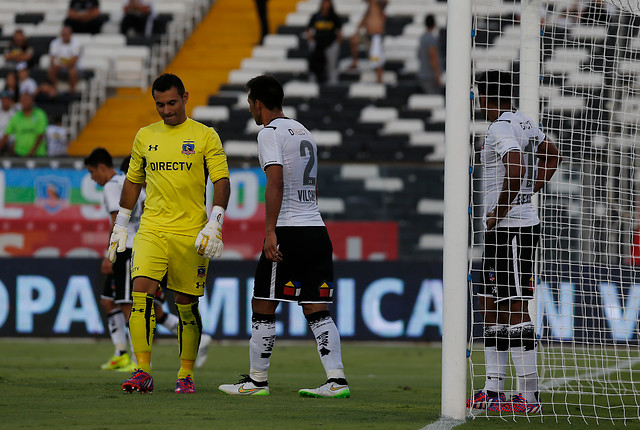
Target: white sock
(328, 342)
(523, 354)
(170, 322)
(117, 331)
(263, 337)
(496, 356)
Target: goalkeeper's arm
(128, 199)
(209, 240)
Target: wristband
(122, 219)
(217, 214)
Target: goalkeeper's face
(170, 106)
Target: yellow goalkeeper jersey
(175, 162)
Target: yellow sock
(189, 331)
(142, 327)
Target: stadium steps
(226, 35)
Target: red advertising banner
(68, 234)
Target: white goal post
(577, 66)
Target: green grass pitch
(58, 384)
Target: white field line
(443, 424)
(559, 382)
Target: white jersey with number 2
(289, 144)
(512, 131)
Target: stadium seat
(213, 114)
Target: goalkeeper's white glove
(118, 241)
(209, 240)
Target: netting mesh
(587, 283)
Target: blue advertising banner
(374, 300)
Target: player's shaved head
(267, 90)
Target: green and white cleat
(246, 387)
(330, 389)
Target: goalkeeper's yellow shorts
(156, 253)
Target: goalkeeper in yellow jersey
(174, 157)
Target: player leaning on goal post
(296, 262)
(517, 160)
(174, 157)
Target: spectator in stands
(324, 36)
(19, 50)
(373, 22)
(26, 84)
(57, 137)
(137, 18)
(11, 85)
(7, 110)
(46, 92)
(27, 127)
(430, 64)
(64, 53)
(261, 6)
(84, 16)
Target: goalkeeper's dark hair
(98, 156)
(498, 86)
(267, 89)
(124, 166)
(166, 81)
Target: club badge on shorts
(326, 289)
(202, 271)
(292, 288)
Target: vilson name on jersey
(306, 195)
(170, 165)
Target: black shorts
(507, 263)
(117, 286)
(305, 274)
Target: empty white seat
(431, 242)
(297, 19)
(327, 137)
(210, 113)
(367, 90)
(427, 138)
(375, 114)
(566, 103)
(301, 89)
(425, 102)
(582, 32)
(334, 205)
(403, 126)
(268, 52)
(240, 148)
(240, 77)
(384, 184)
(359, 171)
(371, 76)
(288, 41)
(430, 206)
(114, 40)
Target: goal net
(587, 269)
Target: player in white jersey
(296, 263)
(517, 160)
(115, 299)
